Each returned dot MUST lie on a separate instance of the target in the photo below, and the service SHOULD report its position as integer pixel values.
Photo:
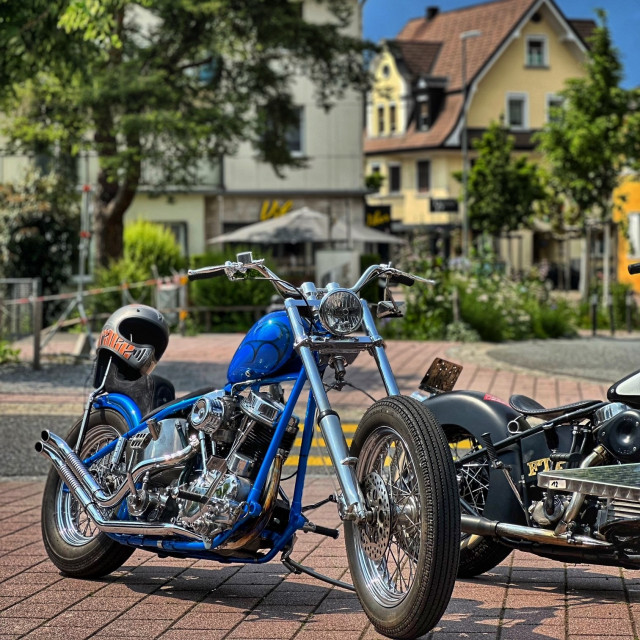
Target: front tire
(70, 537)
(403, 560)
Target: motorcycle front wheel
(477, 554)
(70, 536)
(403, 559)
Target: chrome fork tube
(329, 422)
(379, 352)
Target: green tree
(501, 189)
(165, 85)
(595, 135)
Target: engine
(206, 492)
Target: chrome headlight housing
(340, 312)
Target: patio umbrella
(302, 225)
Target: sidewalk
(525, 598)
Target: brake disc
(376, 530)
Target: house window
(554, 103)
(295, 134)
(395, 179)
(423, 170)
(517, 112)
(423, 115)
(392, 118)
(380, 120)
(634, 234)
(536, 55)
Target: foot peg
(309, 527)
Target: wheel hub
(376, 530)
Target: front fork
(329, 420)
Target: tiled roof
(417, 55)
(432, 47)
(495, 21)
(584, 28)
(414, 139)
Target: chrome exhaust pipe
(124, 527)
(480, 526)
(91, 486)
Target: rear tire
(70, 537)
(403, 561)
(477, 554)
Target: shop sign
(440, 205)
(273, 209)
(378, 217)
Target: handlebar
(634, 268)
(246, 263)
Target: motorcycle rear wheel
(477, 554)
(403, 560)
(70, 537)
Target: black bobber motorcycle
(559, 482)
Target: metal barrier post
(36, 310)
(594, 314)
(611, 315)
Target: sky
(385, 19)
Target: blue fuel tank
(266, 350)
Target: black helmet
(134, 338)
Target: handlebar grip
(402, 279)
(634, 268)
(204, 275)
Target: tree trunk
(107, 233)
(114, 194)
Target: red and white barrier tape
(177, 279)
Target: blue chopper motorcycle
(199, 476)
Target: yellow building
(509, 58)
(629, 243)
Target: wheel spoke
(74, 524)
(392, 573)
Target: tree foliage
(501, 189)
(39, 226)
(595, 135)
(165, 84)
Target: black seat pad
(530, 407)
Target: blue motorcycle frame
(397, 493)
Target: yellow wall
(185, 207)
(510, 75)
(387, 91)
(411, 206)
(630, 191)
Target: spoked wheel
(403, 558)
(477, 554)
(71, 538)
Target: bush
(491, 306)
(221, 292)
(7, 354)
(147, 247)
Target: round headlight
(341, 312)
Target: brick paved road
(150, 597)
(525, 598)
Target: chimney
(432, 12)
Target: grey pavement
(524, 598)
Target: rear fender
(480, 413)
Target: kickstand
(297, 568)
